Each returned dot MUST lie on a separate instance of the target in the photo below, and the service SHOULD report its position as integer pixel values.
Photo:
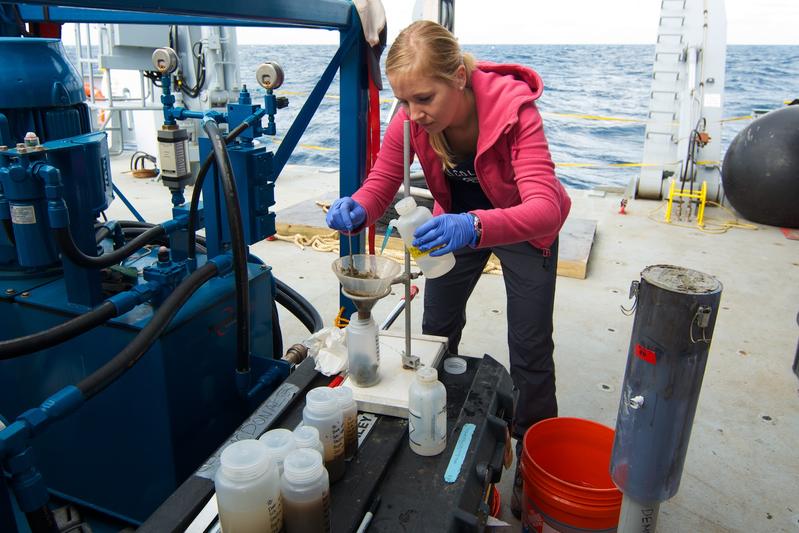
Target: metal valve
(165, 60)
(269, 75)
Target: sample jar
(306, 493)
(322, 412)
(248, 489)
(363, 351)
(427, 413)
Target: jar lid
(344, 396)
(306, 436)
(303, 466)
(454, 365)
(279, 442)
(244, 460)
(321, 400)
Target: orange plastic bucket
(566, 472)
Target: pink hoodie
(512, 162)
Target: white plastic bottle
(350, 411)
(279, 442)
(306, 493)
(427, 413)
(248, 489)
(363, 351)
(308, 437)
(411, 217)
(322, 411)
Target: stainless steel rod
(406, 182)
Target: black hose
(194, 206)
(277, 334)
(65, 331)
(122, 362)
(298, 306)
(236, 227)
(76, 255)
(101, 233)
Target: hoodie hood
(500, 90)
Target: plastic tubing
(225, 175)
(299, 306)
(100, 379)
(67, 245)
(41, 340)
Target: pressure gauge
(165, 60)
(269, 75)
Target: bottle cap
(344, 396)
(244, 460)
(303, 466)
(279, 442)
(405, 206)
(427, 374)
(322, 401)
(306, 436)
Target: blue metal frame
(330, 14)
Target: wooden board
(576, 236)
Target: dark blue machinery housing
(84, 300)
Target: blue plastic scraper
(459, 453)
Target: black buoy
(761, 169)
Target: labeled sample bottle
(363, 350)
(308, 437)
(279, 442)
(248, 489)
(322, 412)
(349, 409)
(427, 413)
(411, 217)
(306, 493)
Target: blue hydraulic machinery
(142, 345)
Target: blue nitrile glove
(451, 232)
(345, 215)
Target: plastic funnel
(371, 277)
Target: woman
(479, 138)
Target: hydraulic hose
(226, 179)
(41, 340)
(194, 206)
(67, 245)
(97, 382)
(299, 306)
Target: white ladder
(686, 97)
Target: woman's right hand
(345, 215)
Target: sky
(566, 22)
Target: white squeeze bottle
(427, 413)
(411, 217)
(248, 489)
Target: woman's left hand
(445, 233)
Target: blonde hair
(429, 49)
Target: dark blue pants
(530, 288)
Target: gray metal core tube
(675, 315)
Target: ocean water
(578, 79)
